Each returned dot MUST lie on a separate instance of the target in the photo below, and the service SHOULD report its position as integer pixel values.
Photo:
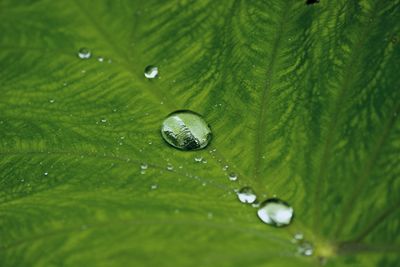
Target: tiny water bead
(275, 212)
(84, 53)
(144, 166)
(232, 176)
(246, 195)
(305, 249)
(170, 167)
(150, 72)
(198, 159)
(298, 236)
(186, 130)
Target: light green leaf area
(303, 102)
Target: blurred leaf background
(303, 102)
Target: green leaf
(303, 102)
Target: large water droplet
(186, 130)
(275, 212)
(246, 195)
(84, 53)
(151, 72)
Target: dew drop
(298, 236)
(154, 187)
(232, 176)
(100, 59)
(46, 173)
(275, 212)
(186, 130)
(144, 166)
(305, 249)
(51, 101)
(225, 168)
(150, 72)
(198, 159)
(246, 195)
(84, 53)
(170, 167)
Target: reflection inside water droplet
(275, 212)
(150, 72)
(186, 130)
(246, 195)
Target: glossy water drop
(100, 59)
(225, 168)
(84, 53)
(198, 159)
(46, 173)
(150, 72)
(144, 166)
(305, 249)
(298, 236)
(246, 195)
(186, 130)
(275, 212)
(154, 187)
(170, 167)
(232, 176)
(51, 101)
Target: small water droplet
(246, 195)
(198, 159)
(225, 167)
(150, 72)
(103, 120)
(305, 249)
(298, 236)
(275, 212)
(100, 59)
(51, 101)
(170, 167)
(46, 173)
(232, 176)
(186, 130)
(84, 53)
(154, 187)
(144, 166)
